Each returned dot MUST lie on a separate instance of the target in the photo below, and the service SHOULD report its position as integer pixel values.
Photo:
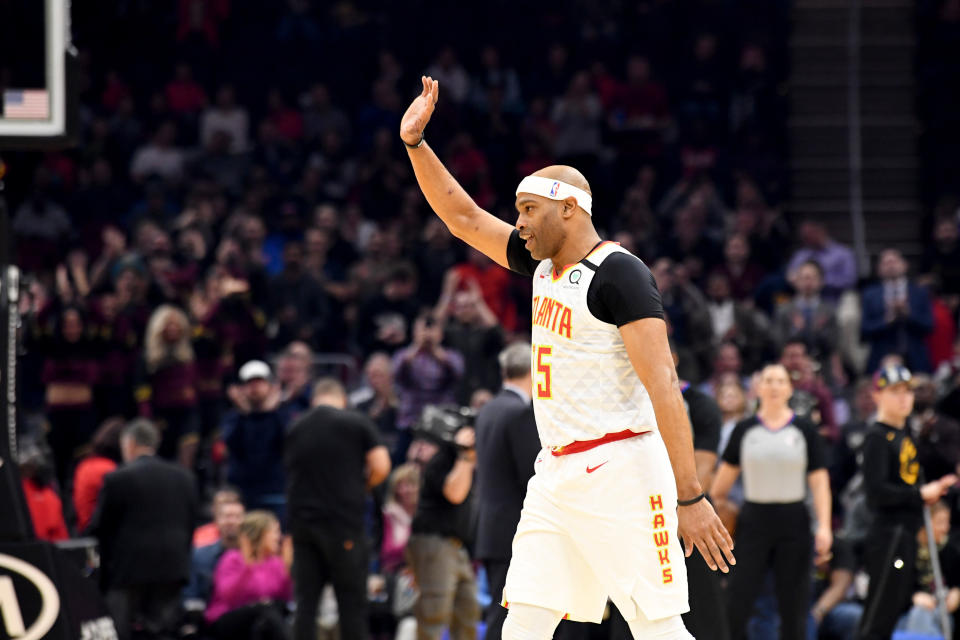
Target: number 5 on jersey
(542, 355)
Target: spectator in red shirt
(201, 18)
(46, 510)
(88, 478)
(607, 86)
(469, 165)
(494, 285)
(640, 112)
(940, 340)
(185, 96)
(167, 392)
(114, 91)
(286, 120)
(744, 274)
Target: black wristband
(687, 503)
(413, 146)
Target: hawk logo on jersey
(575, 276)
(554, 189)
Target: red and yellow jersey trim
(579, 446)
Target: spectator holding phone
(424, 373)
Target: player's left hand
(700, 527)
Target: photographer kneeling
(442, 526)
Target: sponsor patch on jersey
(575, 276)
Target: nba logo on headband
(555, 190)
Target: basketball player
(616, 479)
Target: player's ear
(569, 207)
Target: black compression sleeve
(816, 454)
(518, 257)
(731, 455)
(623, 291)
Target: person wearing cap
(253, 432)
(896, 494)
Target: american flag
(26, 104)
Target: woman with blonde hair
(398, 511)
(780, 455)
(251, 585)
(166, 392)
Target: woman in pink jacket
(251, 585)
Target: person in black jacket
(254, 433)
(144, 522)
(707, 616)
(895, 495)
(507, 446)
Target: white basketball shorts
(597, 524)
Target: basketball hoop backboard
(37, 63)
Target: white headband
(555, 190)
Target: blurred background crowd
(239, 197)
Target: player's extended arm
(484, 232)
(649, 352)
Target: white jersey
(583, 383)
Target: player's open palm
(700, 527)
(419, 112)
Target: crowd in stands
(239, 219)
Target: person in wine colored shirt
(167, 392)
(69, 372)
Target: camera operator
(441, 531)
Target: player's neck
(576, 248)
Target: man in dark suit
(507, 447)
(897, 315)
(144, 522)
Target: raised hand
(418, 113)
